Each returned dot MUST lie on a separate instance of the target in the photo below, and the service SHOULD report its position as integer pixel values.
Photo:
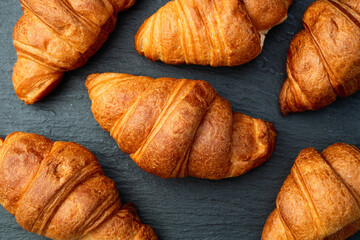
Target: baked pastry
(209, 32)
(59, 190)
(178, 127)
(320, 198)
(56, 36)
(324, 59)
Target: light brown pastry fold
(320, 198)
(57, 36)
(209, 32)
(59, 190)
(324, 58)
(178, 127)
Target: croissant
(178, 127)
(324, 59)
(59, 190)
(209, 32)
(320, 198)
(56, 36)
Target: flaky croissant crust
(59, 190)
(209, 32)
(324, 58)
(320, 198)
(178, 127)
(57, 36)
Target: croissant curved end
(138, 39)
(1, 142)
(37, 94)
(33, 81)
(291, 101)
(89, 79)
(282, 99)
(272, 136)
(273, 228)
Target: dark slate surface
(184, 208)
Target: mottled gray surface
(184, 208)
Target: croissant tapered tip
(139, 37)
(130, 207)
(89, 79)
(138, 40)
(272, 135)
(273, 228)
(146, 232)
(33, 81)
(284, 109)
(36, 94)
(1, 142)
(271, 138)
(272, 131)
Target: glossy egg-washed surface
(186, 208)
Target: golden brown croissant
(324, 58)
(59, 190)
(178, 127)
(57, 36)
(320, 198)
(209, 32)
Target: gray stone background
(183, 208)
